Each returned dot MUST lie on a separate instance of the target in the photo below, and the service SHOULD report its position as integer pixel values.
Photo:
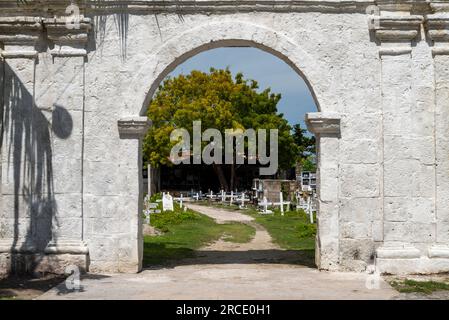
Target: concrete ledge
(21, 263)
(397, 28)
(408, 260)
(67, 246)
(68, 53)
(402, 252)
(422, 265)
(16, 54)
(437, 25)
(440, 51)
(23, 258)
(323, 122)
(19, 246)
(133, 127)
(209, 6)
(394, 51)
(439, 251)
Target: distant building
(187, 177)
(307, 181)
(270, 189)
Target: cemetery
(265, 194)
(175, 213)
(280, 206)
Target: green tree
(221, 102)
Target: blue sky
(267, 69)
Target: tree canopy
(306, 148)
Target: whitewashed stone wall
(74, 103)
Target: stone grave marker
(167, 202)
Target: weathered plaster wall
(72, 179)
(316, 44)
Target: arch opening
(296, 178)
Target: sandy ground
(226, 281)
(25, 287)
(223, 270)
(261, 240)
(219, 215)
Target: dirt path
(258, 269)
(261, 241)
(220, 215)
(260, 249)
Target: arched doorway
(382, 183)
(326, 126)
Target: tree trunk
(221, 177)
(232, 176)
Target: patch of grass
(187, 231)
(426, 287)
(164, 220)
(291, 231)
(236, 232)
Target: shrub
(306, 230)
(165, 219)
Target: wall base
(407, 259)
(421, 265)
(36, 264)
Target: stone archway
(326, 126)
(231, 33)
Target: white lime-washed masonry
(74, 101)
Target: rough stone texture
(72, 102)
(40, 264)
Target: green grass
(291, 231)
(426, 287)
(164, 220)
(186, 232)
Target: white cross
(281, 202)
(309, 202)
(223, 196)
(151, 208)
(211, 195)
(242, 201)
(180, 201)
(264, 204)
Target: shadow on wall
(120, 16)
(26, 150)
